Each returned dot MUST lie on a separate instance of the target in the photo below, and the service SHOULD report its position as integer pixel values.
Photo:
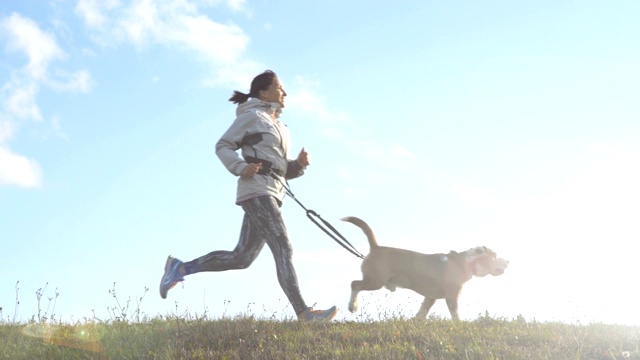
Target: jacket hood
(270, 108)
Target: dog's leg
(353, 301)
(426, 306)
(452, 304)
(362, 285)
(396, 282)
(391, 285)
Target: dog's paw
(353, 307)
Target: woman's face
(274, 93)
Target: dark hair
(260, 82)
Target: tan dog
(435, 276)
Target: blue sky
(444, 124)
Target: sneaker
(318, 315)
(171, 276)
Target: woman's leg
(262, 223)
(245, 252)
(266, 218)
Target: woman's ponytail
(260, 82)
(238, 97)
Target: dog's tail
(365, 228)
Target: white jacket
(258, 133)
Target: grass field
(249, 338)
(130, 334)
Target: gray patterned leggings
(262, 223)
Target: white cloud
(18, 170)
(178, 24)
(380, 161)
(57, 128)
(217, 43)
(6, 130)
(171, 23)
(18, 96)
(235, 5)
(305, 100)
(20, 99)
(77, 81)
(41, 49)
(140, 22)
(338, 126)
(92, 11)
(25, 36)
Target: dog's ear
(476, 252)
(471, 254)
(481, 250)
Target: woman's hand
(251, 169)
(303, 158)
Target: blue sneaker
(318, 315)
(171, 276)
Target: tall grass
(130, 334)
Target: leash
(325, 226)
